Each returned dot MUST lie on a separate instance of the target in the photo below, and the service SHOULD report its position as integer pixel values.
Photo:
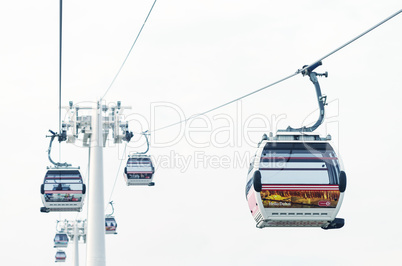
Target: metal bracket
(52, 137)
(322, 99)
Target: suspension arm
(321, 100)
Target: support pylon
(96, 216)
(76, 255)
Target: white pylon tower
(92, 130)
(96, 215)
(76, 239)
(76, 230)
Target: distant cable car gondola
(110, 222)
(296, 180)
(60, 256)
(139, 170)
(60, 240)
(62, 190)
(110, 225)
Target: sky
(193, 56)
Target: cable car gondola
(60, 240)
(139, 170)
(110, 225)
(296, 180)
(62, 190)
(60, 256)
(110, 222)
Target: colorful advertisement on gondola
(302, 197)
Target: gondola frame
(282, 217)
(139, 181)
(62, 206)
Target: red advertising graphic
(293, 196)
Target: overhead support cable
(306, 70)
(299, 71)
(222, 105)
(354, 39)
(60, 62)
(129, 52)
(60, 56)
(117, 175)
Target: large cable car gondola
(60, 240)
(60, 256)
(62, 190)
(139, 170)
(296, 178)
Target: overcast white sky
(196, 55)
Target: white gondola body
(60, 240)
(110, 225)
(299, 188)
(139, 171)
(63, 190)
(60, 256)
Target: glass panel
(314, 164)
(295, 176)
(305, 146)
(276, 153)
(139, 168)
(110, 222)
(60, 254)
(63, 174)
(299, 156)
(142, 164)
(333, 170)
(303, 153)
(248, 186)
(63, 187)
(251, 164)
(57, 181)
(61, 238)
(143, 159)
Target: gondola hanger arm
(145, 134)
(322, 100)
(60, 138)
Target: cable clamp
(323, 99)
